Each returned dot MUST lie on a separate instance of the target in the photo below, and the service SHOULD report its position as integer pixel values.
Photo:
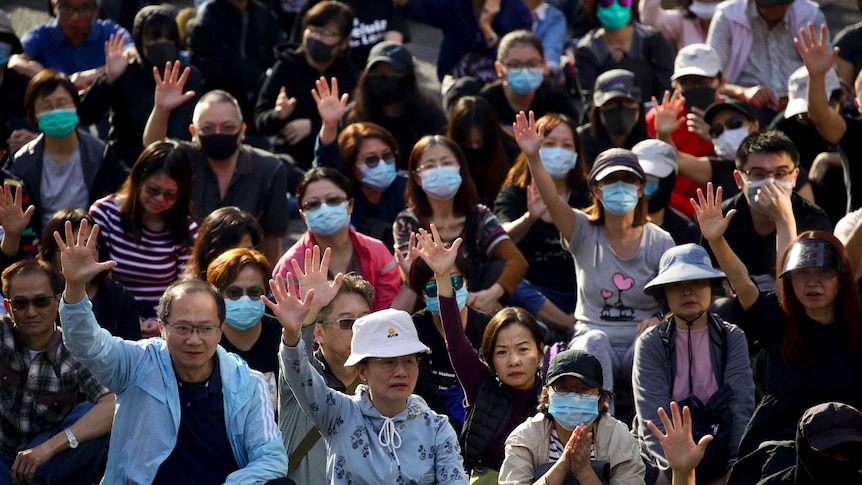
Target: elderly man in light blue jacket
(187, 411)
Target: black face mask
(698, 98)
(620, 121)
(661, 197)
(219, 146)
(319, 51)
(386, 89)
(160, 53)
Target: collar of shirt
(51, 351)
(753, 13)
(56, 34)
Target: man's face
(35, 323)
(334, 340)
(192, 354)
(773, 14)
(75, 17)
(762, 166)
(218, 118)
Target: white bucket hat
(387, 333)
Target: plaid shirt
(37, 395)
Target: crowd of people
(621, 245)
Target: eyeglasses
(731, 123)
(372, 161)
(446, 162)
(235, 292)
(153, 191)
(343, 323)
(758, 174)
(313, 205)
(564, 389)
(389, 364)
(608, 3)
(19, 304)
(534, 64)
(328, 36)
(431, 288)
(205, 331)
(212, 130)
(68, 10)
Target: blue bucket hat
(688, 262)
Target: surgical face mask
(5, 51)
(728, 142)
(620, 121)
(243, 313)
(58, 123)
(319, 51)
(327, 220)
(752, 187)
(699, 98)
(661, 192)
(387, 89)
(379, 177)
(433, 304)
(702, 10)
(571, 409)
(159, 53)
(525, 81)
(614, 16)
(651, 186)
(558, 161)
(219, 146)
(441, 183)
(620, 198)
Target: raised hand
(284, 106)
(431, 249)
(288, 308)
(527, 134)
(773, 200)
(817, 54)
(78, 255)
(681, 452)
(708, 211)
(316, 277)
(405, 260)
(115, 59)
(330, 106)
(12, 216)
(667, 118)
(169, 89)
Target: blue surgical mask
(441, 183)
(651, 186)
(525, 81)
(58, 123)
(379, 177)
(558, 161)
(571, 409)
(433, 304)
(614, 17)
(620, 198)
(243, 313)
(327, 220)
(5, 51)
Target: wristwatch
(73, 442)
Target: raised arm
(667, 120)
(315, 277)
(713, 224)
(678, 444)
(819, 59)
(331, 108)
(14, 219)
(529, 137)
(168, 96)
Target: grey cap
(688, 262)
(616, 83)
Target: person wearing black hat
(692, 353)
(809, 332)
(614, 246)
(573, 433)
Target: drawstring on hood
(688, 324)
(388, 436)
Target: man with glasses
(187, 411)
(55, 414)
(226, 171)
(332, 327)
(73, 43)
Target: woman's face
(371, 151)
(250, 281)
(321, 192)
(521, 56)
(516, 356)
(688, 299)
(816, 288)
(58, 99)
(560, 137)
(159, 193)
(613, 178)
(328, 34)
(390, 379)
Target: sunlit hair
(44, 83)
(322, 173)
(520, 176)
(519, 38)
(30, 266)
(465, 199)
(351, 284)
(504, 318)
(350, 144)
(226, 268)
(794, 351)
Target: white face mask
(728, 142)
(753, 188)
(703, 10)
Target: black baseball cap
(392, 53)
(615, 160)
(740, 107)
(830, 424)
(576, 363)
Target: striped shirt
(146, 268)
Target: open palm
(330, 106)
(169, 89)
(527, 134)
(316, 277)
(817, 54)
(431, 249)
(707, 208)
(288, 308)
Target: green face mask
(614, 16)
(58, 123)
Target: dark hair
(476, 112)
(794, 351)
(504, 318)
(467, 196)
(351, 284)
(420, 273)
(184, 287)
(225, 269)
(322, 173)
(29, 266)
(171, 159)
(43, 84)
(519, 38)
(221, 230)
(48, 249)
(327, 11)
(520, 176)
(153, 22)
(350, 143)
(766, 142)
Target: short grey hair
(184, 287)
(215, 96)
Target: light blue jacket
(424, 447)
(148, 411)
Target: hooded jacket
(416, 445)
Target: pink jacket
(378, 265)
(676, 27)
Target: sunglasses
(608, 3)
(430, 289)
(731, 123)
(155, 192)
(313, 205)
(19, 304)
(235, 292)
(372, 161)
(343, 323)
